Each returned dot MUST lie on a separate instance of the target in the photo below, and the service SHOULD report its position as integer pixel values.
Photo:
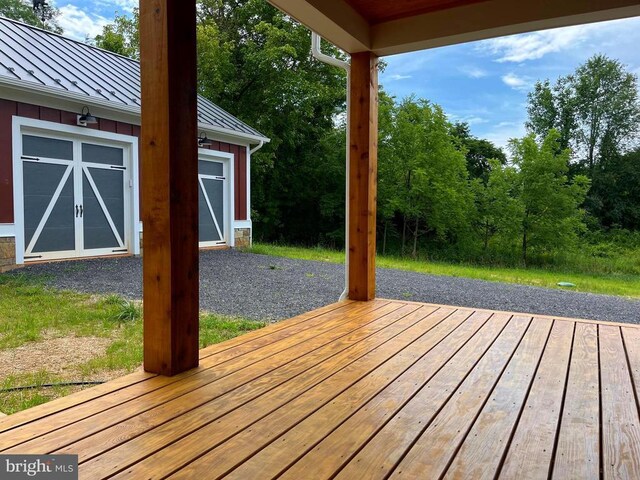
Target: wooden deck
(383, 389)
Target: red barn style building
(69, 170)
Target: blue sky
(483, 83)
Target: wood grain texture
(377, 11)
(363, 171)
(205, 417)
(238, 435)
(356, 417)
(366, 390)
(238, 388)
(378, 458)
(220, 376)
(531, 450)
(169, 185)
(578, 451)
(620, 422)
(484, 446)
(431, 459)
(226, 360)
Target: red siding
(7, 111)
(107, 125)
(240, 170)
(50, 114)
(10, 108)
(124, 128)
(29, 111)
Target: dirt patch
(56, 355)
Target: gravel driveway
(264, 287)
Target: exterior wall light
(203, 141)
(85, 118)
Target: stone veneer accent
(242, 237)
(7, 253)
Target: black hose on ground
(50, 385)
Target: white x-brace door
(212, 204)
(75, 198)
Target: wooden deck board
(381, 389)
(620, 422)
(531, 451)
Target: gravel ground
(263, 287)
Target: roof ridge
(69, 39)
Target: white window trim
(228, 160)
(130, 143)
(7, 230)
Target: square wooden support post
(363, 172)
(169, 169)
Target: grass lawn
(611, 284)
(44, 332)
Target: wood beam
(331, 19)
(495, 18)
(363, 172)
(169, 184)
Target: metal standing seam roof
(40, 58)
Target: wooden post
(169, 184)
(363, 171)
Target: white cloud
(470, 116)
(126, 5)
(501, 134)
(532, 46)
(77, 23)
(516, 82)
(475, 120)
(473, 72)
(399, 77)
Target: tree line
(442, 192)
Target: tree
(595, 110)
(551, 214)
(255, 62)
(499, 209)
(552, 108)
(122, 36)
(428, 174)
(478, 152)
(615, 195)
(43, 16)
(387, 166)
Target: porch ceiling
(387, 28)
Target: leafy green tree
(499, 209)
(255, 62)
(615, 194)
(478, 152)
(433, 195)
(596, 110)
(22, 10)
(551, 213)
(552, 107)
(387, 168)
(122, 36)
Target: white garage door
(212, 203)
(76, 198)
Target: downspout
(317, 54)
(256, 148)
